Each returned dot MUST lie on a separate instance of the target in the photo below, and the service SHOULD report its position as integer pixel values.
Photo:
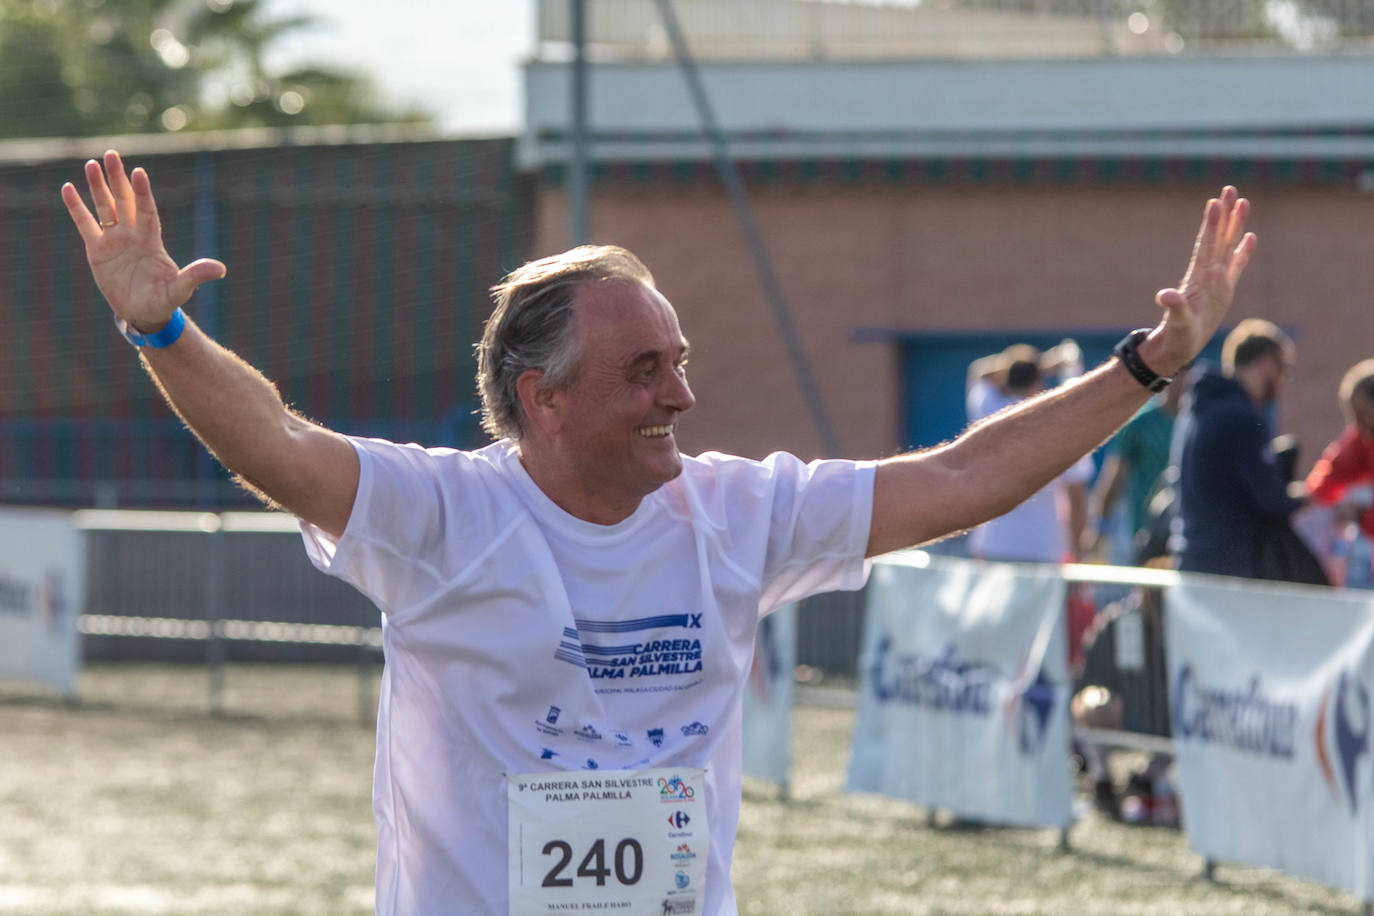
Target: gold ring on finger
(105, 224)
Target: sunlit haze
(458, 59)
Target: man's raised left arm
(999, 462)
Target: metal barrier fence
(376, 341)
(214, 586)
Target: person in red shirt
(1349, 460)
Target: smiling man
(569, 613)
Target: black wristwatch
(1126, 351)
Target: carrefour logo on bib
(1343, 727)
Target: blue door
(934, 370)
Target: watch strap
(1128, 353)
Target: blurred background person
(1342, 477)
(1047, 527)
(1234, 500)
(1135, 465)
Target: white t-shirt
(500, 611)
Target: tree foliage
(92, 67)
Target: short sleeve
(393, 547)
(820, 521)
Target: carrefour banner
(768, 698)
(1269, 694)
(42, 587)
(964, 690)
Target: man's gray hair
(532, 327)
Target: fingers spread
(204, 269)
(1170, 299)
(144, 205)
(1204, 249)
(119, 186)
(1236, 226)
(100, 194)
(193, 275)
(85, 223)
(1241, 257)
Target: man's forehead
(628, 314)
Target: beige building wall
(963, 258)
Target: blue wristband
(164, 338)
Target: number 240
(628, 861)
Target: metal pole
(782, 314)
(205, 219)
(216, 579)
(577, 161)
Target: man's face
(1278, 369)
(617, 419)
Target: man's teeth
(650, 431)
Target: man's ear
(540, 404)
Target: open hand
(137, 277)
(1194, 309)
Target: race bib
(628, 841)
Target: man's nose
(677, 394)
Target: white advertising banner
(768, 698)
(1269, 695)
(964, 690)
(42, 590)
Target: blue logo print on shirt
(649, 658)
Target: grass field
(135, 801)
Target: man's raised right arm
(235, 411)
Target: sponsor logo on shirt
(696, 728)
(600, 647)
(656, 736)
(683, 853)
(548, 754)
(678, 907)
(546, 726)
(588, 732)
(681, 879)
(678, 819)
